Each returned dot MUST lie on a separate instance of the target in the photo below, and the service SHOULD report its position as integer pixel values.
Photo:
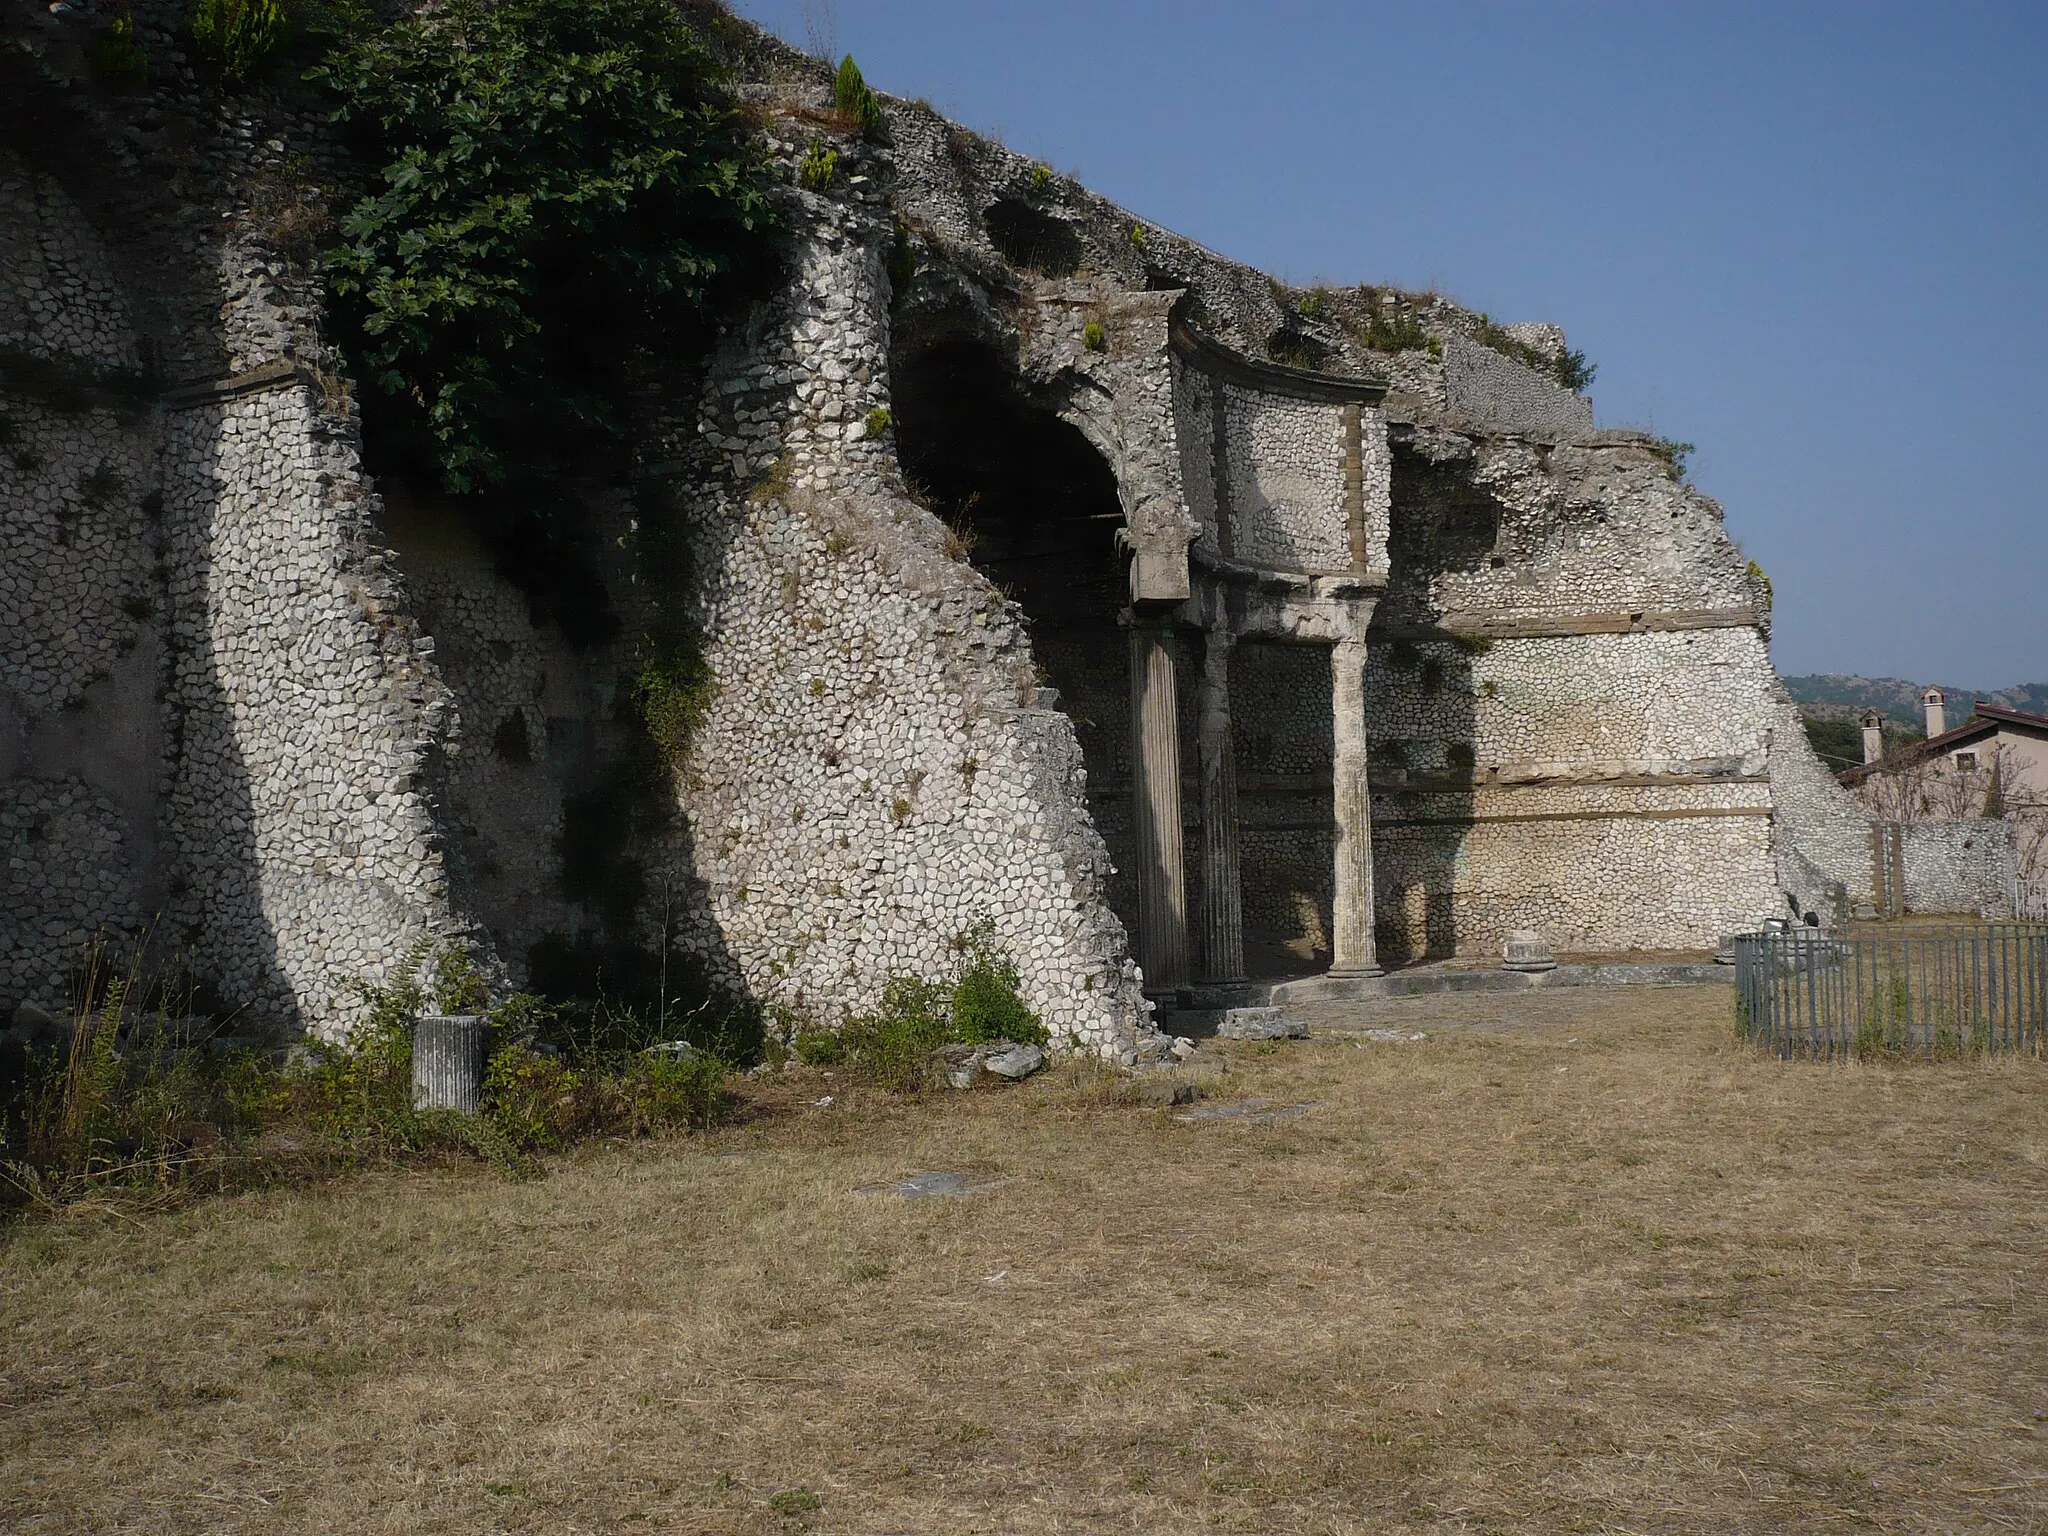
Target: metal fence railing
(1967, 988)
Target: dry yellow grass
(1575, 1262)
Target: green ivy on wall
(563, 185)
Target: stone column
(1222, 906)
(1162, 938)
(1352, 943)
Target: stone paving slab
(930, 1186)
(1249, 1111)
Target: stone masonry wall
(538, 722)
(305, 708)
(1958, 867)
(1497, 394)
(1820, 835)
(218, 707)
(1591, 750)
(217, 727)
(1610, 791)
(875, 774)
(80, 651)
(1286, 482)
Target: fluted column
(1352, 942)
(1155, 809)
(1222, 904)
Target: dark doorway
(1037, 508)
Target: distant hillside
(1838, 695)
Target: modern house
(1994, 761)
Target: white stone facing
(874, 776)
(1287, 493)
(1602, 755)
(304, 705)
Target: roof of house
(1987, 720)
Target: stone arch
(1037, 506)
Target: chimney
(1873, 737)
(1937, 716)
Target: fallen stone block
(1259, 1024)
(1018, 1061)
(966, 1066)
(1164, 1092)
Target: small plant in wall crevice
(819, 168)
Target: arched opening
(1033, 240)
(1038, 509)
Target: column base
(1355, 972)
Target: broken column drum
(448, 1061)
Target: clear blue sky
(1810, 238)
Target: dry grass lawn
(1576, 1262)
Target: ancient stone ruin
(1053, 572)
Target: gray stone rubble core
(1423, 658)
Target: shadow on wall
(565, 839)
(1422, 708)
(1283, 739)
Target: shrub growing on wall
(563, 192)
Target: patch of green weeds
(1393, 327)
(818, 1047)
(1093, 337)
(144, 1098)
(1674, 454)
(820, 167)
(239, 37)
(792, 1502)
(1573, 371)
(980, 1003)
(119, 55)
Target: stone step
(1258, 1023)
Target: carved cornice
(1218, 361)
